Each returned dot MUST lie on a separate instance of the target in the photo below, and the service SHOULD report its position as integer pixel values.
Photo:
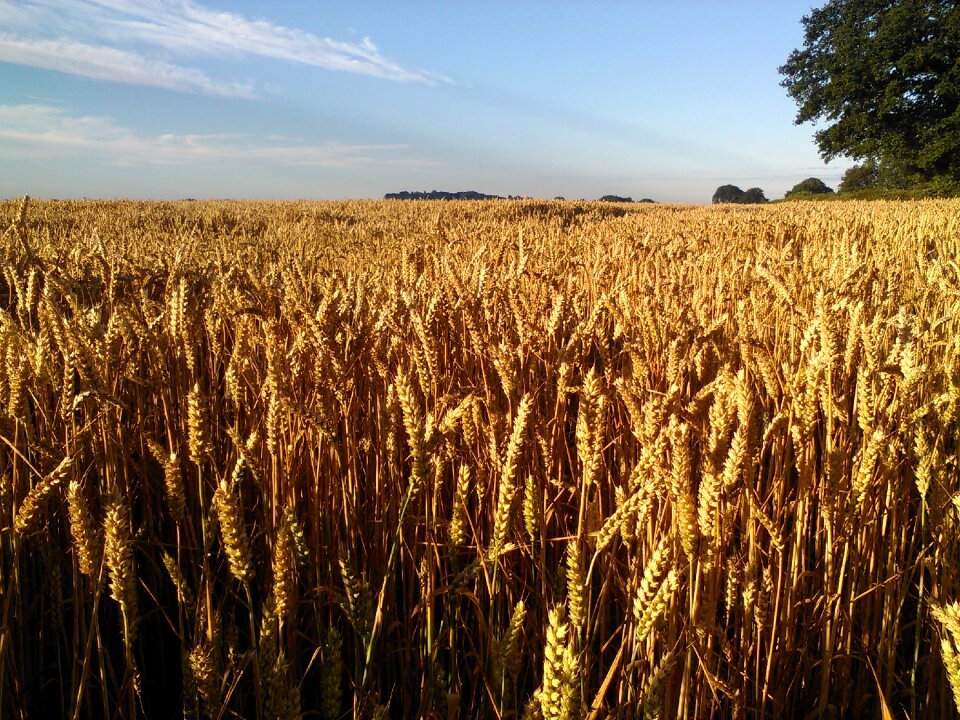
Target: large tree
(728, 194)
(733, 194)
(883, 78)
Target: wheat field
(514, 459)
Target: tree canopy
(883, 76)
(733, 194)
(727, 194)
(860, 177)
(810, 186)
(753, 195)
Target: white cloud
(107, 63)
(188, 26)
(45, 131)
(108, 39)
(22, 15)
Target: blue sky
(206, 98)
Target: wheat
(357, 603)
(184, 593)
(651, 686)
(730, 433)
(686, 516)
(508, 657)
(31, 509)
(204, 675)
(84, 530)
(532, 508)
(197, 426)
(649, 615)
(558, 694)
(413, 423)
(172, 480)
(118, 555)
(457, 532)
(506, 490)
(284, 566)
(236, 541)
(331, 676)
(576, 580)
(948, 616)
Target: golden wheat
(731, 433)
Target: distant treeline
(474, 195)
(441, 195)
(617, 198)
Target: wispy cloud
(129, 42)
(46, 131)
(186, 26)
(107, 63)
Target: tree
(733, 194)
(864, 176)
(753, 195)
(885, 174)
(810, 186)
(884, 77)
(728, 194)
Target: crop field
(512, 459)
